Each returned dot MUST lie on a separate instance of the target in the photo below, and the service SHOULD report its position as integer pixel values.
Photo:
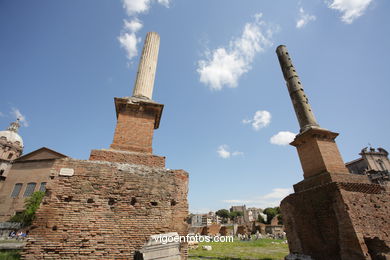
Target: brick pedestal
(339, 219)
(334, 214)
(136, 120)
(318, 152)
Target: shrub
(31, 205)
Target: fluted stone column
(147, 67)
(298, 97)
(139, 115)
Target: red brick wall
(369, 209)
(107, 210)
(134, 131)
(338, 221)
(319, 155)
(213, 229)
(127, 157)
(331, 155)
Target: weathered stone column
(295, 88)
(316, 146)
(147, 67)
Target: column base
(127, 157)
(318, 152)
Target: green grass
(11, 241)
(262, 249)
(9, 254)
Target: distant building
(249, 214)
(206, 220)
(374, 163)
(215, 219)
(11, 147)
(253, 213)
(196, 220)
(274, 229)
(21, 176)
(29, 173)
(242, 209)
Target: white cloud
(225, 65)
(129, 42)
(304, 18)
(282, 138)
(16, 113)
(128, 38)
(223, 152)
(200, 210)
(277, 193)
(164, 2)
(236, 202)
(134, 7)
(133, 26)
(236, 153)
(1, 114)
(261, 119)
(351, 9)
(271, 199)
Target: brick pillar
(318, 152)
(136, 120)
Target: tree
(280, 219)
(234, 214)
(223, 213)
(271, 213)
(261, 219)
(189, 218)
(31, 205)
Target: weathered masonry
(333, 214)
(109, 206)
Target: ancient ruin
(333, 214)
(374, 164)
(11, 147)
(109, 206)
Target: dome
(11, 134)
(11, 137)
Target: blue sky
(63, 62)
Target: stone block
(157, 249)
